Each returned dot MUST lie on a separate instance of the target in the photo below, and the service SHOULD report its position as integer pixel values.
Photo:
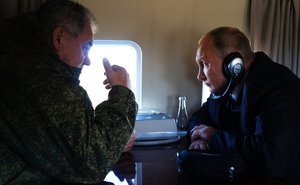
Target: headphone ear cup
(233, 66)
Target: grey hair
(70, 15)
(228, 39)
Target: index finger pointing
(106, 64)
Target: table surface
(157, 165)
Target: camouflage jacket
(48, 128)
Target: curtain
(11, 8)
(275, 29)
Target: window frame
(138, 71)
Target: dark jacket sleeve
(201, 116)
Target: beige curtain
(275, 29)
(11, 8)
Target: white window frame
(92, 77)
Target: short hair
(70, 15)
(226, 39)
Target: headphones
(233, 66)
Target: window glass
(124, 53)
(205, 93)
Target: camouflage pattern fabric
(48, 128)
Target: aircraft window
(121, 52)
(205, 93)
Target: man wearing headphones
(253, 109)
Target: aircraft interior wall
(167, 32)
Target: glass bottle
(182, 117)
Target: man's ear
(57, 35)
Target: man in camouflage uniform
(49, 131)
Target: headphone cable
(214, 96)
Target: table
(157, 165)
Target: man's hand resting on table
(200, 135)
(130, 142)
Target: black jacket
(263, 126)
